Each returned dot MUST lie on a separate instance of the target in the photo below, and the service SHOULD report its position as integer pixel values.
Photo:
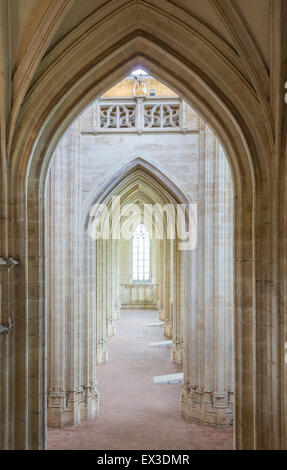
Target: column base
(167, 329)
(161, 315)
(117, 315)
(102, 353)
(177, 353)
(73, 407)
(205, 407)
(111, 328)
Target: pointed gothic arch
(221, 98)
(136, 168)
(138, 183)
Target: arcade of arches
(108, 108)
(186, 155)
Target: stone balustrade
(139, 295)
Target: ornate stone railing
(140, 115)
(141, 295)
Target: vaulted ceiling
(247, 33)
(26, 18)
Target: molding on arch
(49, 23)
(231, 108)
(128, 171)
(136, 173)
(235, 135)
(211, 96)
(43, 124)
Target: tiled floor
(134, 412)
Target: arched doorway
(224, 109)
(138, 181)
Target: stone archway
(93, 264)
(139, 183)
(221, 97)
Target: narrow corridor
(134, 412)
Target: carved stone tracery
(162, 115)
(138, 115)
(117, 116)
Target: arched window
(141, 252)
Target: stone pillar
(72, 391)
(7, 353)
(56, 270)
(168, 266)
(208, 363)
(102, 350)
(178, 314)
(115, 281)
(109, 263)
(162, 297)
(89, 329)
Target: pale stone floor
(134, 412)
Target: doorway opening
(140, 145)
